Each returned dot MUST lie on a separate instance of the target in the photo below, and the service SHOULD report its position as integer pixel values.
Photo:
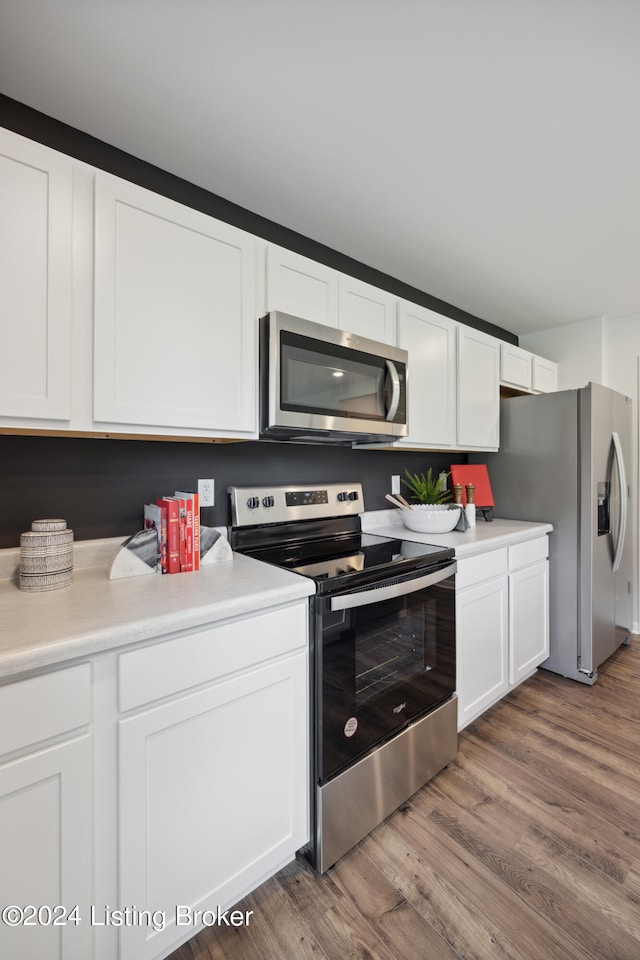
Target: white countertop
(484, 536)
(94, 613)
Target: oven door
(327, 380)
(384, 657)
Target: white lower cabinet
(46, 816)
(213, 782)
(148, 786)
(502, 623)
(528, 607)
(482, 634)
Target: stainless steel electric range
(382, 635)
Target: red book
(192, 502)
(196, 531)
(173, 533)
(186, 511)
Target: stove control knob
(268, 501)
(353, 495)
(343, 496)
(253, 502)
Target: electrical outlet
(395, 483)
(206, 492)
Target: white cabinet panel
(478, 390)
(35, 280)
(213, 796)
(545, 375)
(150, 673)
(528, 620)
(44, 706)
(515, 366)
(482, 648)
(431, 342)
(46, 843)
(366, 310)
(301, 287)
(175, 315)
(502, 622)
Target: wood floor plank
(604, 845)
(506, 917)
(526, 848)
(542, 886)
(338, 926)
(397, 922)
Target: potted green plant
(425, 489)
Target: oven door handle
(363, 598)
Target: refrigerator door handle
(622, 480)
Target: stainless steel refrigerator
(565, 458)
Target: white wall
(578, 349)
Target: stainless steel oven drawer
(357, 800)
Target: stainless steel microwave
(320, 384)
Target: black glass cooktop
(352, 559)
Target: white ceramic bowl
(431, 518)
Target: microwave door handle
(363, 598)
(622, 481)
(395, 383)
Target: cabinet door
(545, 375)
(35, 280)
(430, 340)
(478, 390)
(175, 316)
(45, 850)
(515, 366)
(213, 797)
(301, 287)
(528, 620)
(482, 647)
(366, 310)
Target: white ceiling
(484, 151)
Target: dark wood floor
(527, 847)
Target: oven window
(328, 379)
(394, 649)
(380, 667)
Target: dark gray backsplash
(100, 486)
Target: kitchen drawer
(531, 551)
(484, 566)
(44, 706)
(167, 668)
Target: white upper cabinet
(175, 342)
(478, 390)
(525, 371)
(515, 366)
(301, 287)
(544, 375)
(312, 291)
(430, 340)
(35, 280)
(365, 310)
